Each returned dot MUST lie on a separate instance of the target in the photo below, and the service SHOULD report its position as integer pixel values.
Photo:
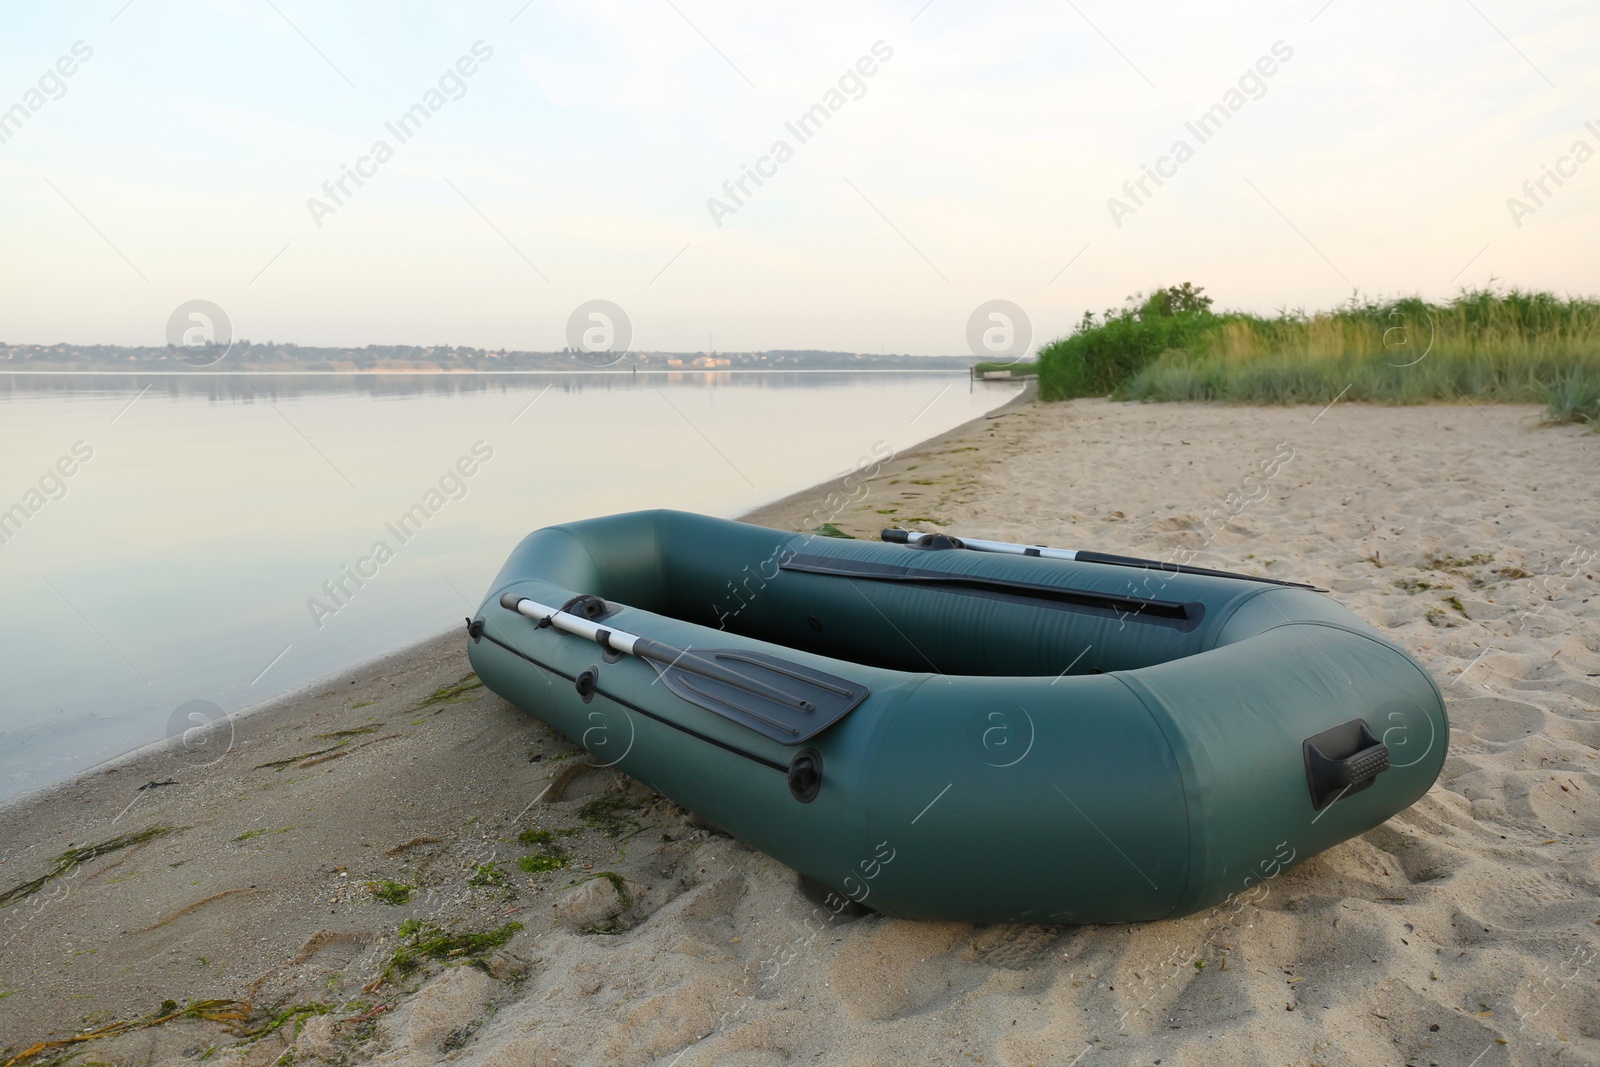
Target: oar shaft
(911, 537)
(1180, 568)
(574, 624)
(648, 648)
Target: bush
(1097, 358)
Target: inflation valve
(805, 775)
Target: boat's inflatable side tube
(1009, 800)
(1230, 722)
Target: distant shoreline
(964, 371)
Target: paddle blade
(784, 701)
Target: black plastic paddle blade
(776, 698)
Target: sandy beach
(397, 867)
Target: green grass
(1573, 395)
(1102, 357)
(1484, 345)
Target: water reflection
(186, 559)
(237, 386)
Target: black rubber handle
(1344, 760)
(896, 537)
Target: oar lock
(585, 606)
(603, 639)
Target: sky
(969, 153)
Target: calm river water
(174, 539)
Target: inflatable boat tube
(938, 732)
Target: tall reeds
(1484, 345)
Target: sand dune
(1464, 931)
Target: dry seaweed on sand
(487, 875)
(73, 857)
(450, 694)
(425, 941)
(551, 856)
(393, 893)
(615, 924)
(610, 814)
(224, 1011)
(553, 859)
(354, 731)
(340, 739)
(234, 1014)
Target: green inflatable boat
(950, 729)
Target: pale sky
(576, 162)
